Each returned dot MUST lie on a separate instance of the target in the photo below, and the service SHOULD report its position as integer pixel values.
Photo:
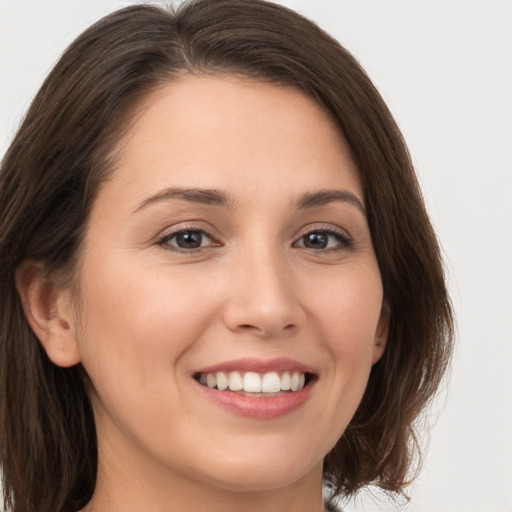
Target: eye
(322, 239)
(186, 240)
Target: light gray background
(445, 69)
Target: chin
(258, 479)
(264, 472)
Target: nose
(263, 299)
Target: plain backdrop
(445, 69)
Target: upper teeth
(252, 382)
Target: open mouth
(249, 383)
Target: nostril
(266, 330)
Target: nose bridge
(263, 299)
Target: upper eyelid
(212, 233)
(344, 239)
(188, 226)
(172, 234)
(330, 228)
(164, 239)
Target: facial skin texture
(149, 315)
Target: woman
(221, 286)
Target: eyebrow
(219, 198)
(193, 195)
(324, 197)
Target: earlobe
(49, 312)
(381, 333)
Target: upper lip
(278, 364)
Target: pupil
(316, 240)
(189, 239)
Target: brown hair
(63, 151)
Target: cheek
(348, 307)
(139, 321)
(138, 325)
(348, 318)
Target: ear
(49, 312)
(381, 333)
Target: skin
(149, 314)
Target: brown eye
(186, 240)
(189, 239)
(316, 240)
(324, 239)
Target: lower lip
(259, 407)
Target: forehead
(228, 132)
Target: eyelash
(342, 238)
(165, 239)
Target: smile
(254, 388)
(254, 383)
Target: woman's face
(230, 248)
